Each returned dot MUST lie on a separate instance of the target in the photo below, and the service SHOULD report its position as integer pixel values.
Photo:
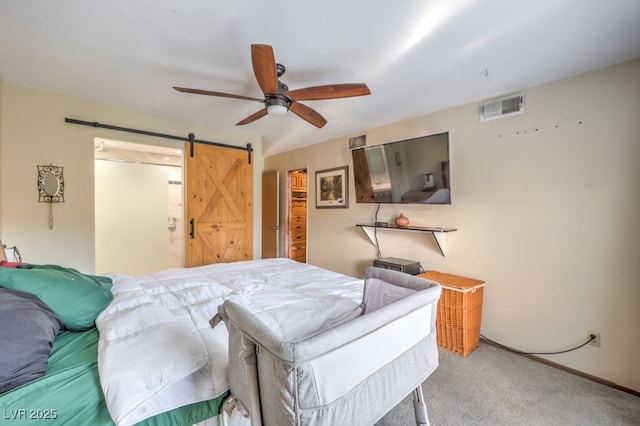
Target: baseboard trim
(568, 369)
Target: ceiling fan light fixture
(277, 109)
(277, 106)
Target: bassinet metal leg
(248, 354)
(420, 407)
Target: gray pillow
(29, 328)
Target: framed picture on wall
(332, 188)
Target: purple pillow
(29, 328)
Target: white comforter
(157, 350)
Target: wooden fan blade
(264, 67)
(329, 91)
(210, 93)
(307, 114)
(253, 117)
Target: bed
(152, 357)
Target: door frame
(144, 153)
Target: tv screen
(412, 171)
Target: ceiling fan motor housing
(277, 100)
(282, 87)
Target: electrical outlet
(596, 341)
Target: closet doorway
(139, 226)
(297, 215)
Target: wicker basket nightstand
(459, 311)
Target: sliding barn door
(219, 205)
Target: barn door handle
(192, 232)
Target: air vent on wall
(357, 142)
(505, 106)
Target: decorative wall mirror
(50, 187)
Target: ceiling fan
(278, 99)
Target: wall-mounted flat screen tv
(412, 171)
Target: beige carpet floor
(495, 387)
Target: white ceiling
(415, 56)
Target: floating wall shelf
(437, 232)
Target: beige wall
(546, 205)
(34, 132)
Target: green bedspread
(70, 392)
